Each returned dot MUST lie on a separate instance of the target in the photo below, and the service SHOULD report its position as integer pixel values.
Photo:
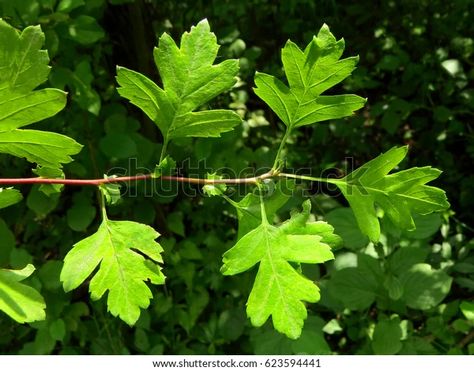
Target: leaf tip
(225, 269)
(324, 27)
(67, 285)
(203, 22)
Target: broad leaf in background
(21, 302)
(310, 73)
(407, 279)
(357, 287)
(424, 287)
(24, 66)
(190, 80)
(85, 30)
(279, 289)
(345, 225)
(400, 194)
(311, 341)
(387, 336)
(122, 271)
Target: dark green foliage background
(414, 97)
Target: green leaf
(190, 80)
(279, 290)
(424, 287)
(20, 109)
(426, 226)
(399, 194)
(393, 286)
(310, 342)
(165, 167)
(66, 6)
(45, 148)
(404, 258)
(57, 329)
(24, 66)
(118, 145)
(7, 243)
(387, 337)
(50, 173)
(49, 275)
(467, 308)
(85, 30)
(9, 196)
(84, 94)
(111, 192)
(174, 222)
(19, 301)
(119, 249)
(249, 210)
(353, 288)
(461, 325)
(345, 225)
(310, 73)
(40, 203)
(332, 327)
(357, 287)
(214, 189)
(80, 216)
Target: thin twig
(96, 182)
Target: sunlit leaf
(24, 66)
(310, 73)
(190, 80)
(125, 256)
(399, 194)
(279, 290)
(21, 302)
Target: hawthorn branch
(97, 182)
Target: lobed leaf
(190, 80)
(127, 256)
(21, 302)
(400, 195)
(24, 66)
(45, 148)
(279, 290)
(310, 73)
(21, 109)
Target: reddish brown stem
(96, 182)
